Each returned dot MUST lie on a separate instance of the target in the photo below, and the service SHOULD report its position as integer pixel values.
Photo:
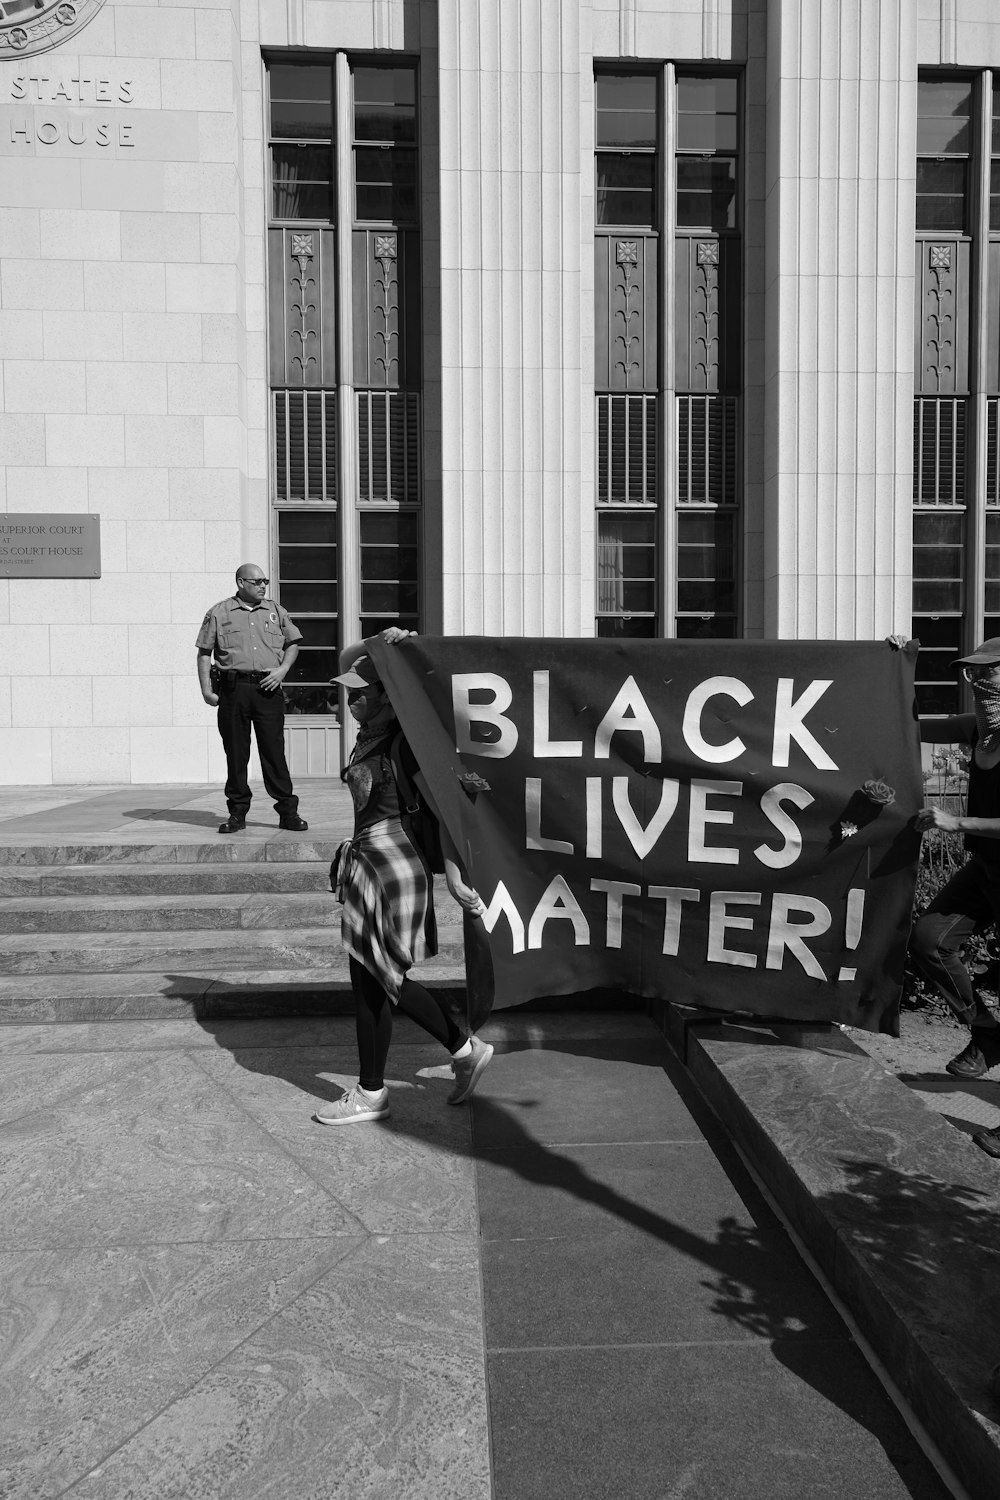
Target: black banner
(726, 824)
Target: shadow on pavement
(175, 815)
(740, 1261)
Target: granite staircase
(108, 931)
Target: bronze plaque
(50, 546)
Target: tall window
(708, 344)
(667, 530)
(343, 244)
(956, 499)
(387, 353)
(627, 244)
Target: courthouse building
(617, 318)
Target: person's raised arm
(455, 874)
(954, 729)
(392, 635)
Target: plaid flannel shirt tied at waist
(387, 922)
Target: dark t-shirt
(373, 786)
(983, 802)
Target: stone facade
(133, 327)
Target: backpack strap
(407, 792)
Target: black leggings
(374, 1021)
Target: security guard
(255, 643)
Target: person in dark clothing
(254, 643)
(386, 887)
(970, 901)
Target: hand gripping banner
(716, 823)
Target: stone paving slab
(781, 1421)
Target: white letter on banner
(615, 890)
(558, 901)
(502, 905)
(785, 934)
(595, 830)
(674, 896)
(714, 687)
(788, 723)
(631, 712)
(544, 747)
(770, 806)
(643, 839)
(719, 920)
(702, 814)
(533, 820)
(468, 713)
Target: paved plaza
(570, 1287)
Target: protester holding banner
(970, 901)
(385, 883)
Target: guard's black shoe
(969, 1063)
(233, 824)
(988, 1141)
(293, 823)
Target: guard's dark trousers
(241, 704)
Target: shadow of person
(755, 1280)
(755, 1277)
(189, 815)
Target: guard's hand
(273, 679)
(212, 699)
(936, 817)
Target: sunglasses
(985, 669)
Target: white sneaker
(354, 1107)
(469, 1070)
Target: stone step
(53, 998)
(181, 913)
(239, 849)
(302, 948)
(166, 880)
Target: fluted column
(517, 437)
(839, 316)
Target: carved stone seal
(30, 26)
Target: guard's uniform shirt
(247, 637)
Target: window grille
(389, 447)
(992, 467)
(938, 451)
(305, 447)
(706, 450)
(626, 450)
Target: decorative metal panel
(388, 447)
(992, 466)
(707, 315)
(386, 290)
(312, 749)
(938, 452)
(305, 447)
(301, 306)
(942, 317)
(626, 282)
(626, 450)
(707, 450)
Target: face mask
(986, 697)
